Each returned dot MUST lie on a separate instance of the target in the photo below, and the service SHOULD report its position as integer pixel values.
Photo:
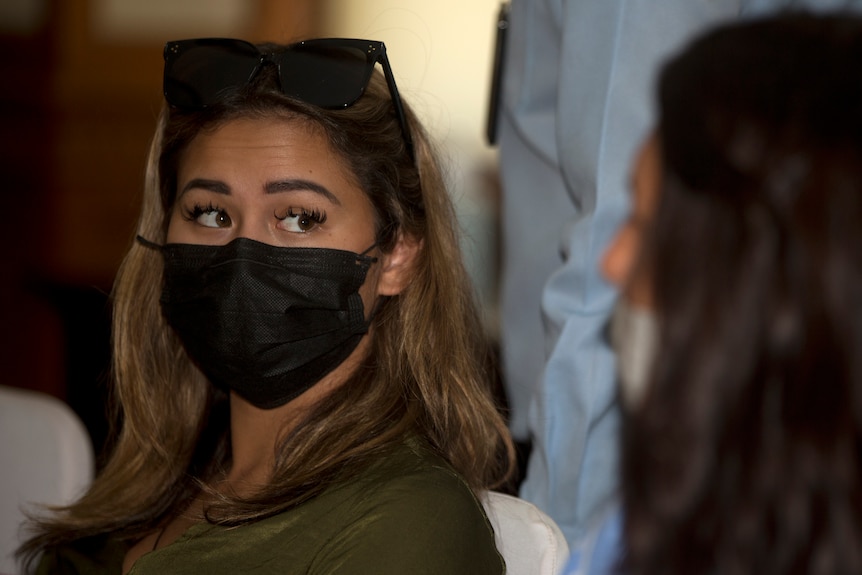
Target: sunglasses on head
(330, 73)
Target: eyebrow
(276, 187)
(296, 184)
(209, 185)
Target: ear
(396, 267)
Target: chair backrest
(46, 457)
(528, 539)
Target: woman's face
(278, 182)
(619, 264)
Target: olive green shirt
(408, 514)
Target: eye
(209, 216)
(301, 221)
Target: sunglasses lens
(199, 72)
(328, 76)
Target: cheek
(174, 233)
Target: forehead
(262, 134)
(257, 148)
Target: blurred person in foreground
(739, 328)
(575, 106)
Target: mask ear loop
(364, 254)
(148, 244)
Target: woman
(297, 355)
(741, 324)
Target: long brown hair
(427, 373)
(745, 456)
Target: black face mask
(263, 321)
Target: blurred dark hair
(745, 456)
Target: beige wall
(441, 55)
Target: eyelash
(198, 210)
(315, 215)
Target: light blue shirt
(601, 551)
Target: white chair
(528, 539)
(46, 457)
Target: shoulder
(411, 512)
(412, 464)
(413, 483)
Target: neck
(255, 432)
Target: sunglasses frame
(374, 50)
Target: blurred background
(81, 89)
